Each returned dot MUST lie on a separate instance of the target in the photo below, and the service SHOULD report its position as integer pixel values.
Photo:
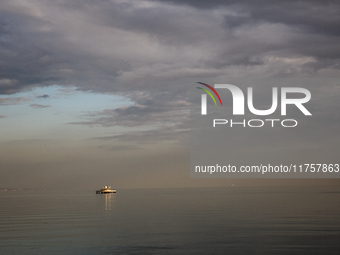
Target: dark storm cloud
(152, 51)
(39, 50)
(317, 23)
(320, 17)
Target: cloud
(118, 147)
(27, 142)
(129, 140)
(153, 51)
(2, 116)
(38, 106)
(136, 115)
(43, 96)
(7, 83)
(160, 44)
(14, 100)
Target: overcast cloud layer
(153, 51)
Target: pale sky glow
(59, 107)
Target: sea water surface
(231, 220)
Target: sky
(95, 93)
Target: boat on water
(106, 190)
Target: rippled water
(172, 221)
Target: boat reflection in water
(109, 203)
(106, 190)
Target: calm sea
(233, 220)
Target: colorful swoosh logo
(208, 92)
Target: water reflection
(109, 201)
(261, 220)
